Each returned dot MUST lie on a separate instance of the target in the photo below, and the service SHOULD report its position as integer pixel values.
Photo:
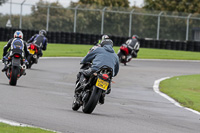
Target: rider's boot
(5, 68)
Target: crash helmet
(18, 34)
(135, 37)
(106, 42)
(42, 32)
(104, 37)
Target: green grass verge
(73, 50)
(184, 89)
(5, 128)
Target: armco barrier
(81, 38)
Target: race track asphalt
(44, 97)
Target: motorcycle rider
(133, 46)
(13, 43)
(101, 55)
(98, 44)
(40, 40)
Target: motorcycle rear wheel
(13, 77)
(30, 62)
(89, 106)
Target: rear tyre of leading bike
(90, 104)
(14, 75)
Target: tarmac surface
(43, 98)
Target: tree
(188, 6)
(109, 3)
(3, 1)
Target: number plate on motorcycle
(32, 51)
(102, 84)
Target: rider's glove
(26, 62)
(4, 59)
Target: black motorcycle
(89, 93)
(15, 67)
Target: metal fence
(104, 20)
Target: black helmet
(43, 32)
(135, 37)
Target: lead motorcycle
(33, 57)
(16, 67)
(88, 93)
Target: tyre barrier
(82, 38)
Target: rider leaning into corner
(17, 41)
(133, 46)
(40, 40)
(100, 55)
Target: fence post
(130, 22)
(102, 19)
(158, 28)
(11, 12)
(187, 28)
(75, 17)
(20, 21)
(48, 12)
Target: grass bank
(184, 89)
(72, 50)
(144, 53)
(5, 128)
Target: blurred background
(172, 20)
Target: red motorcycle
(33, 57)
(123, 54)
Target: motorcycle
(88, 93)
(33, 57)
(123, 54)
(16, 67)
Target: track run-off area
(43, 98)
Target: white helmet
(18, 34)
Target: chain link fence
(104, 20)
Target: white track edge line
(156, 89)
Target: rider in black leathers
(17, 41)
(40, 40)
(133, 46)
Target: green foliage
(184, 89)
(108, 3)
(89, 21)
(188, 6)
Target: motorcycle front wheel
(90, 104)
